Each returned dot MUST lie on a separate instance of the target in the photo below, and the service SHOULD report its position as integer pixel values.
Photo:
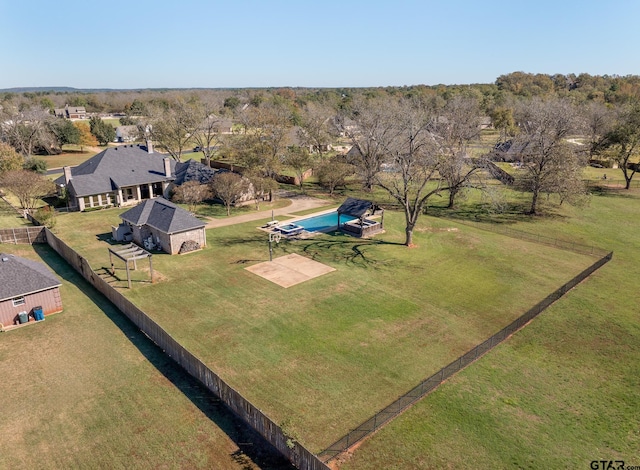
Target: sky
(130, 44)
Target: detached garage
(28, 290)
(157, 224)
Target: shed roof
(162, 215)
(355, 207)
(20, 276)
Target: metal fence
(23, 235)
(297, 454)
(426, 386)
(505, 230)
(612, 183)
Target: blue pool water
(323, 222)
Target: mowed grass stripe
(85, 389)
(560, 393)
(328, 353)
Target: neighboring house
(297, 137)
(118, 176)
(160, 224)
(486, 123)
(219, 124)
(126, 134)
(71, 112)
(24, 285)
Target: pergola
(130, 252)
(361, 209)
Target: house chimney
(67, 174)
(149, 146)
(167, 167)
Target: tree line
(413, 143)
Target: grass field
(69, 158)
(85, 389)
(322, 356)
(219, 211)
(9, 218)
(325, 355)
(560, 393)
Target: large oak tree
(549, 162)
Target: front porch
(125, 196)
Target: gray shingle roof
(192, 170)
(20, 276)
(162, 215)
(116, 167)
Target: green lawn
(85, 389)
(219, 211)
(324, 355)
(115, 122)
(68, 158)
(9, 218)
(560, 393)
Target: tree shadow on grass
(481, 212)
(253, 448)
(334, 246)
(607, 191)
(341, 248)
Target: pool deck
(298, 203)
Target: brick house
(160, 224)
(71, 112)
(24, 285)
(118, 176)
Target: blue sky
(329, 43)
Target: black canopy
(355, 207)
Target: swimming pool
(323, 222)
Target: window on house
(18, 301)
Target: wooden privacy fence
(23, 235)
(297, 454)
(426, 386)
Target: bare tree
(261, 147)
(300, 161)
(456, 126)
(598, 121)
(208, 134)
(173, 127)
(260, 185)
(412, 155)
(622, 142)
(548, 160)
(333, 172)
(191, 193)
(314, 127)
(29, 187)
(229, 187)
(28, 129)
(365, 125)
